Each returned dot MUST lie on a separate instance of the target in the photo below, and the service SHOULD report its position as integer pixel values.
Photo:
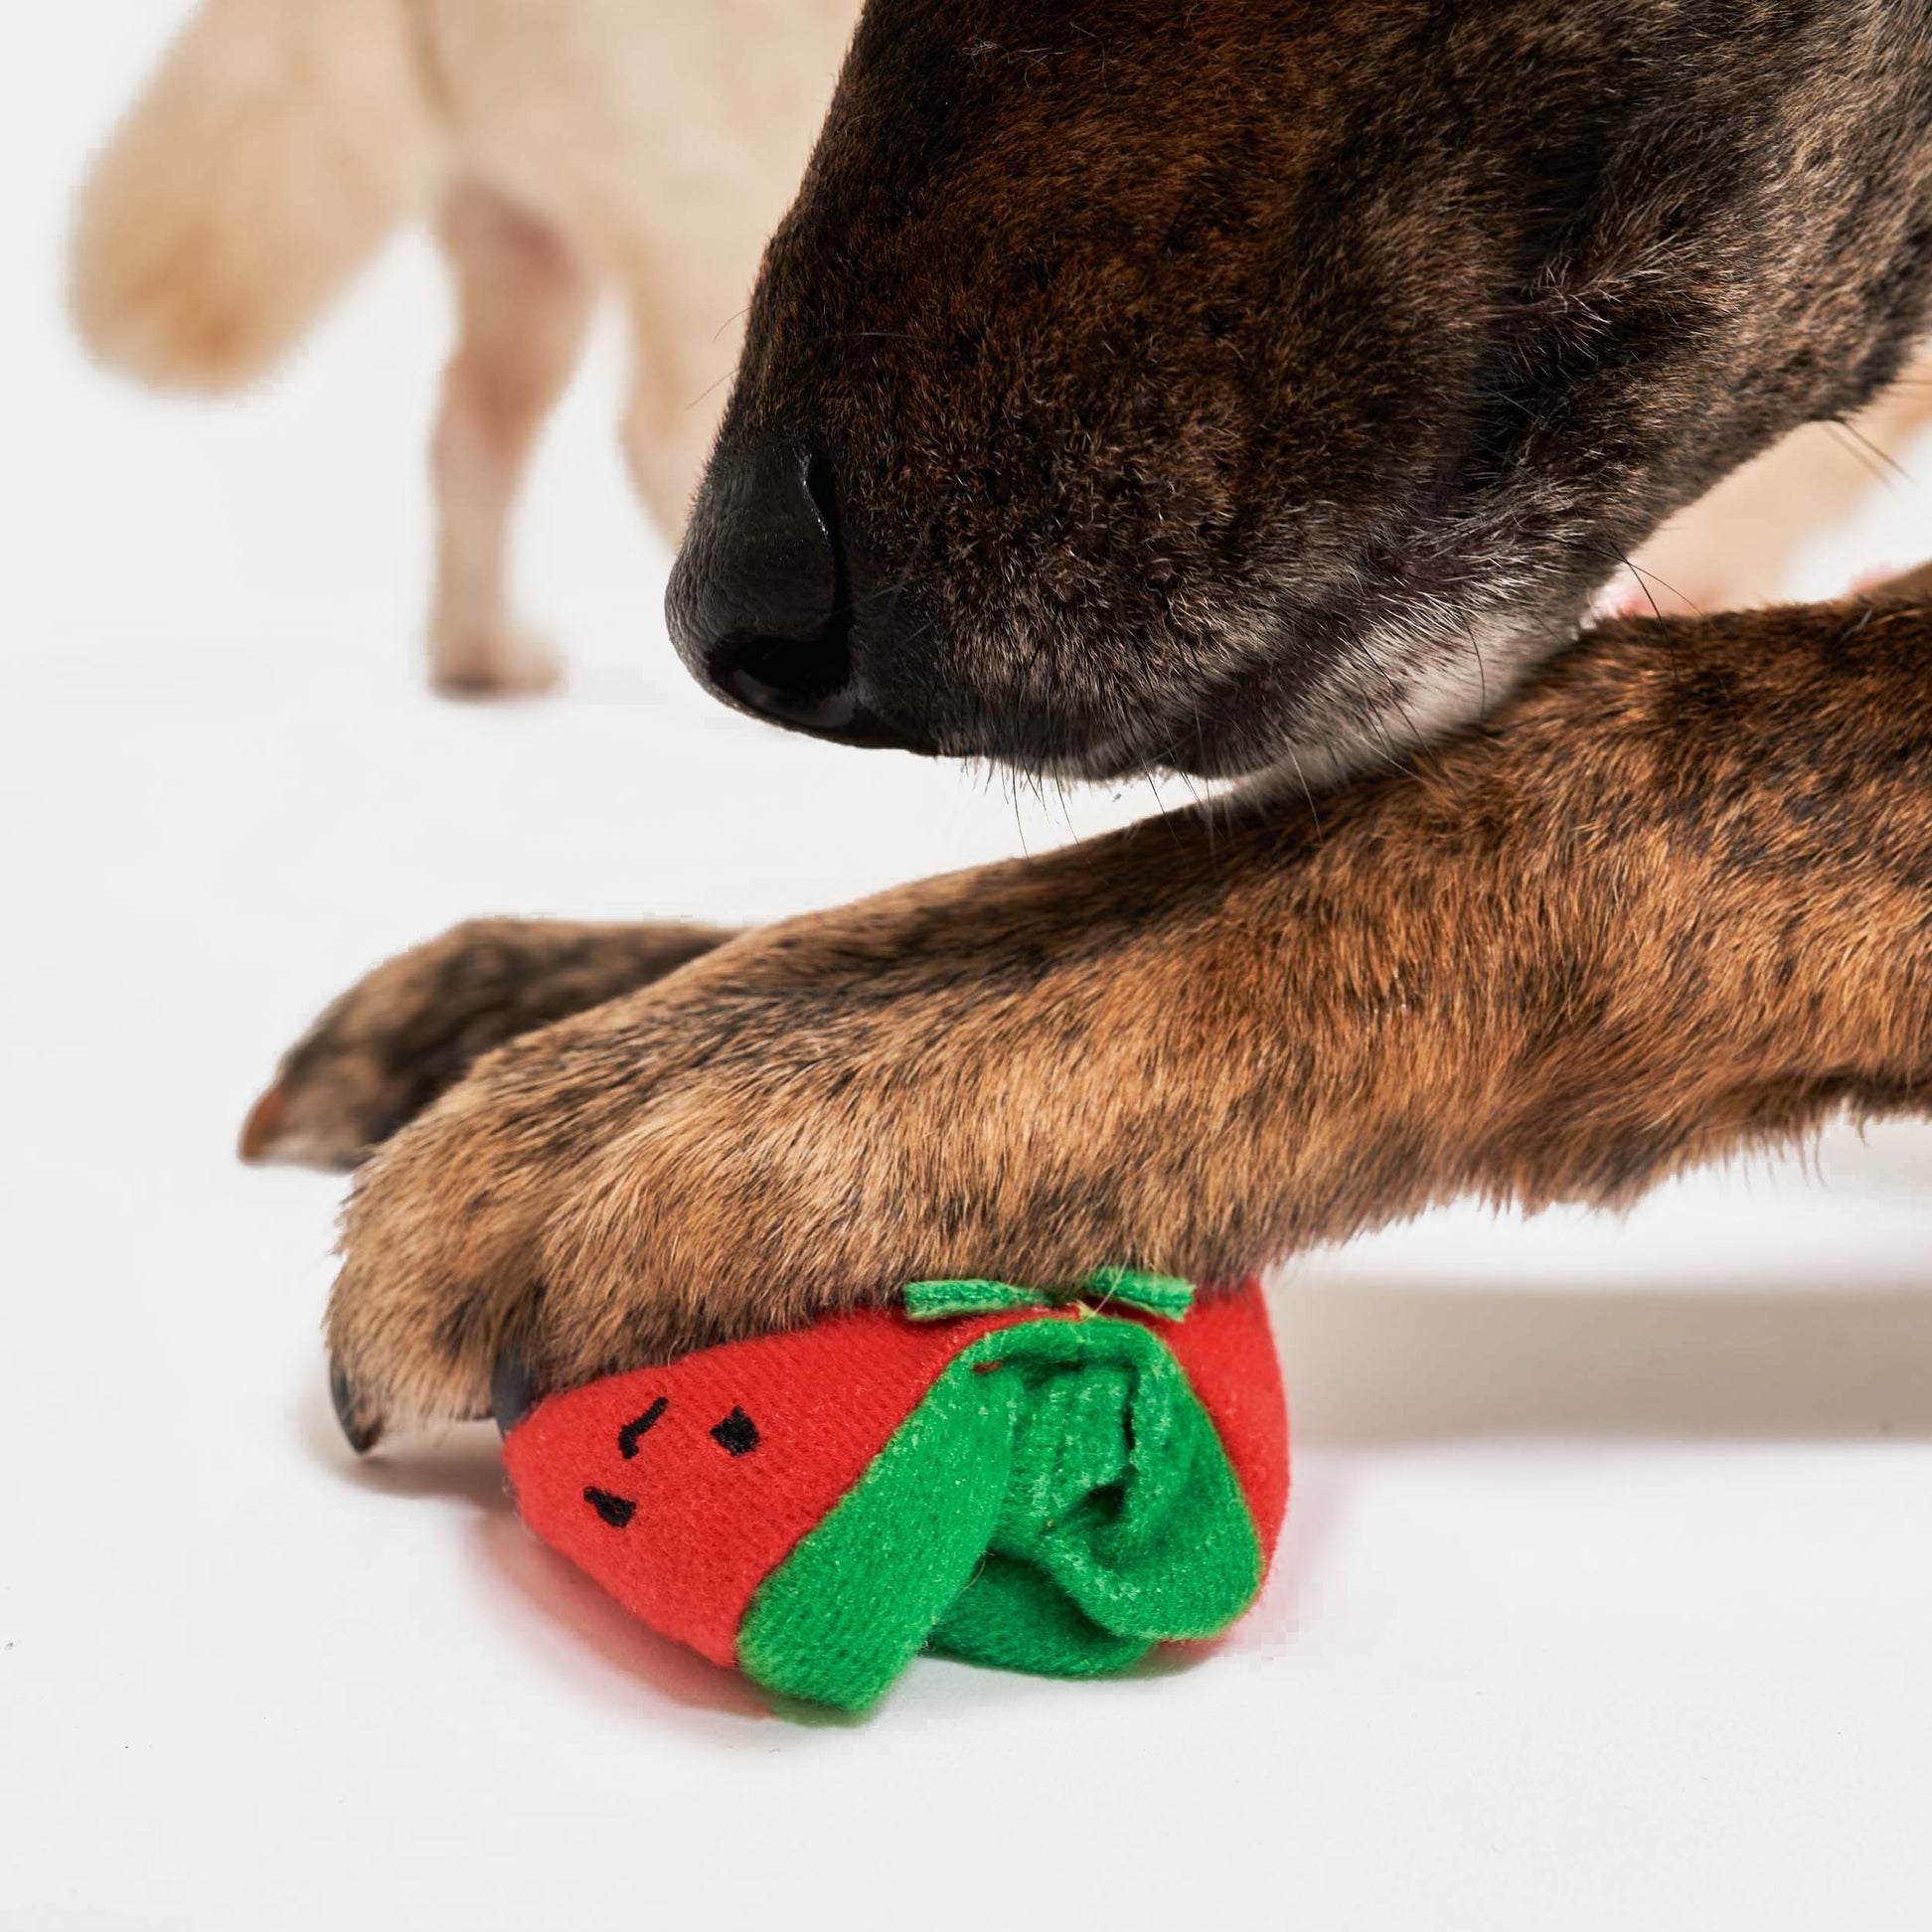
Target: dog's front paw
(441, 1276)
(410, 1030)
(608, 1192)
(930, 1085)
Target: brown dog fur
(1674, 902)
(1670, 899)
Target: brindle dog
(1244, 388)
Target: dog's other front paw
(409, 1030)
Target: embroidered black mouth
(616, 1510)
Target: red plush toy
(1049, 1486)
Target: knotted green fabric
(1057, 1503)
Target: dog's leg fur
(415, 1026)
(524, 304)
(1674, 901)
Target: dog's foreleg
(1675, 900)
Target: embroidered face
(680, 1489)
(737, 1435)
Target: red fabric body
(1227, 1349)
(705, 1526)
(709, 1526)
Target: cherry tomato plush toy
(1045, 1484)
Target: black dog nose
(759, 604)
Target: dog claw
(360, 1425)
(265, 1124)
(513, 1393)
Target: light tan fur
(276, 147)
(561, 146)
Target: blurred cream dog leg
(524, 304)
(647, 146)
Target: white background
(1608, 1585)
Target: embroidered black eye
(616, 1510)
(737, 1435)
(628, 1434)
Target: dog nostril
(798, 672)
(760, 604)
(806, 683)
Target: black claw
(513, 1393)
(361, 1426)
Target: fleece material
(1037, 1484)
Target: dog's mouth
(1214, 644)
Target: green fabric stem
(1151, 1294)
(1058, 1502)
(942, 1301)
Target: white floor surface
(1607, 1594)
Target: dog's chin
(1283, 724)
(1198, 735)
(1228, 762)
(1418, 689)
(1312, 746)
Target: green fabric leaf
(1058, 1502)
